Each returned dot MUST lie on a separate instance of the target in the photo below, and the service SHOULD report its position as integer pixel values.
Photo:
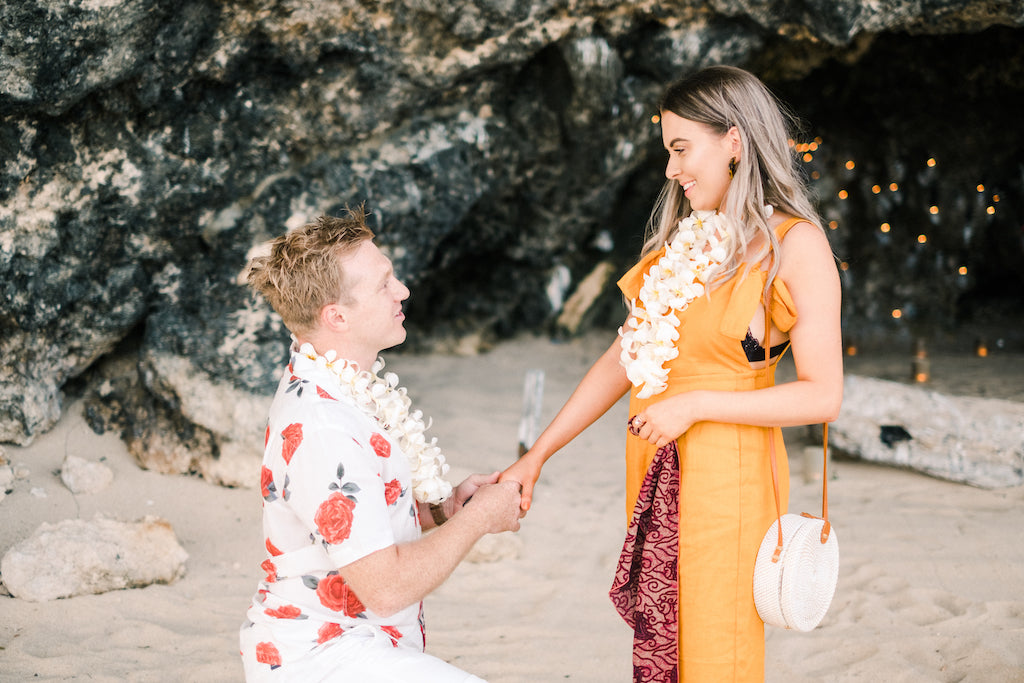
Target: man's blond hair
(303, 272)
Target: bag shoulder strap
(826, 528)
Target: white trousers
(365, 656)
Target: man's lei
(382, 399)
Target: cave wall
(504, 148)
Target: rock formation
(504, 148)
(966, 439)
(79, 557)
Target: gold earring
(732, 167)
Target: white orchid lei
(382, 399)
(648, 338)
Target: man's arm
(395, 577)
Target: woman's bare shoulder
(806, 248)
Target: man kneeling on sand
(348, 479)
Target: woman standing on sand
(733, 235)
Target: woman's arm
(809, 272)
(600, 388)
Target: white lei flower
(679, 277)
(382, 399)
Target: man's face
(374, 302)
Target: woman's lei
(648, 339)
(382, 399)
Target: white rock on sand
(85, 476)
(931, 584)
(77, 557)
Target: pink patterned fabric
(645, 589)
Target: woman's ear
(734, 142)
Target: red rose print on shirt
(285, 612)
(335, 594)
(334, 517)
(270, 569)
(266, 653)
(267, 486)
(327, 632)
(292, 435)
(381, 446)
(392, 490)
(395, 634)
(323, 394)
(272, 549)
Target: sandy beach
(931, 584)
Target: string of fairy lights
(806, 152)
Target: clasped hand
(500, 502)
(664, 421)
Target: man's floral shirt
(335, 489)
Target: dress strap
(786, 225)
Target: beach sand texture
(931, 584)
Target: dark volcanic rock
(504, 149)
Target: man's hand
(464, 491)
(496, 506)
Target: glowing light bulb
(808, 157)
(934, 210)
(921, 239)
(875, 189)
(897, 313)
(893, 187)
(990, 210)
(931, 162)
(655, 119)
(980, 188)
(833, 225)
(850, 165)
(843, 194)
(885, 227)
(962, 270)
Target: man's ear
(334, 317)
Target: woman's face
(698, 159)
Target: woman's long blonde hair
(721, 97)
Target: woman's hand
(526, 471)
(665, 420)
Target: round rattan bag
(796, 591)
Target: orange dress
(726, 503)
